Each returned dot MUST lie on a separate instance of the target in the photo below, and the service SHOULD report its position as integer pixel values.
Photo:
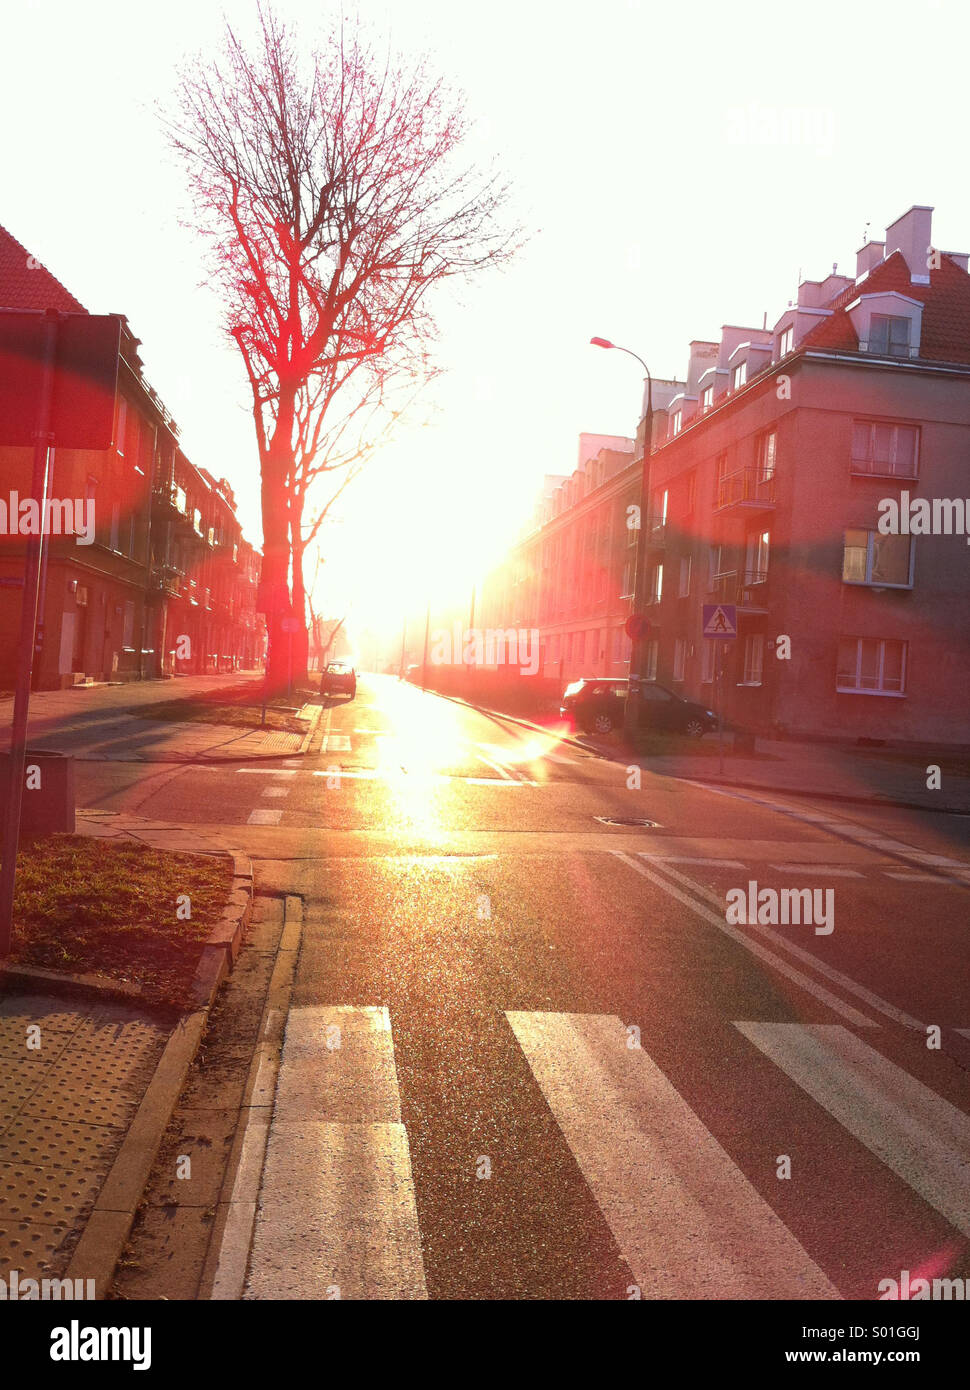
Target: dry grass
(91, 905)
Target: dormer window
(676, 422)
(707, 400)
(889, 335)
(740, 375)
(787, 341)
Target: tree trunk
(276, 464)
(301, 643)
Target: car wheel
(694, 728)
(602, 723)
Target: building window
(115, 524)
(659, 519)
(676, 422)
(713, 566)
(653, 650)
(766, 456)
(707, 400)
(707, 661)
(122, 426)
(786, 341)
(128, 629)
(883, 449)
(868, 557)
(874, 665)
(691, 497)
(756, 554)
(680, 657)
(754, 650)
(740, 375)
(684, 587)
(720, 474)
(656, 584)
(889, 335)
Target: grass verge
(91, 905)
(238, 705)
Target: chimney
(868, 257)
(703, 355)
(912, 235)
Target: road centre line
(818, 992)
(822, 967)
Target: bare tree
(331, 187)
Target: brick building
(772, 466)
(167, 559)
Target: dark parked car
(339, 678)
(598, 705)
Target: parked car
(598, 705)
(339, 678)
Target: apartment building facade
(773, 482)
(167, 583)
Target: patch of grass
(91, 905)
(237, 705)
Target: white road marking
(690, 859)
(919, 1135)
(337, 1206)
(822, 870)
(819, 992)
(686, 1219)
(868, 996)
(336, 743)
(276, 791)
(913, 877)
(377, 775)
(269, 771)
(260, 817)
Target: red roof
(945, 333)
(25, 284)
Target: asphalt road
(529, 1056)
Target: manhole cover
(628, 820)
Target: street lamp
(631, 718)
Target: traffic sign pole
(25, 652)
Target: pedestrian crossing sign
(721, 620)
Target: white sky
(678, 164)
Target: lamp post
(631, 718)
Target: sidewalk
(828, 771)
(88, 1083)
(94, 724)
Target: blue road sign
(721, 621)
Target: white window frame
(680, 657)
(767, 455)
(656, 583)
(890, 320)
(707, 400)
(857, 688)
(652, 654)
(869, 582)
(676, 423)
(683, 590)
(740, 377)
(786, 341)
(754, 659)
(875, 472)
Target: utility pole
(424, 662)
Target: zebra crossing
(337, 1215)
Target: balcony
(748, 589)
(745, 488)
(166, 579)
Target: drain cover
(628, 820)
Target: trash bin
(47, 807)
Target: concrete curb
(227, 1258)
(109, 1224)
(876, 799)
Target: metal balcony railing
(748, 589)
(745, 487)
